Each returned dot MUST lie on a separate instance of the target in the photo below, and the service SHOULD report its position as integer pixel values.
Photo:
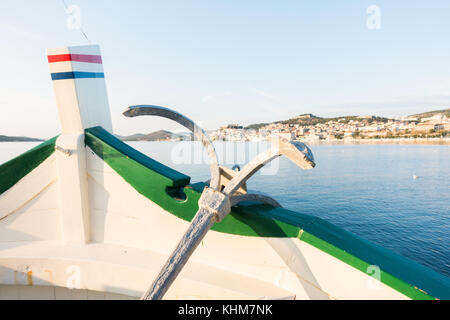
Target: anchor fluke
(297, 152)
(151, 110)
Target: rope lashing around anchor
(67, 152)
(215, 202)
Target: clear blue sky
(231, 61)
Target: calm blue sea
(369, 190)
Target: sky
(230, 61)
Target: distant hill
(310, 120)
(154, 136)
(428, 114)
(18, 139)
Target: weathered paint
(122, 270)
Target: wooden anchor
(215, 203)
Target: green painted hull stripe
(14, 170)
(265, 221)
(153, 184)
(177, 178)
(363, 266)
(424, 278)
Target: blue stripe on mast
(76, 75)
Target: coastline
(19, 139)
(432, 141)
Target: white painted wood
(29, 187)
(70, 118)
(82, 103)
(30, 224)
(121, 270)
(121, 216)
(73, 188)
(93, 103)
(127, 219)
(328, 273)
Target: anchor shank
(200, 225)
(213, 206)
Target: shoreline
(432, 141)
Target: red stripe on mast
(75, 57)
(58, 58)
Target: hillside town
(310, 128)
